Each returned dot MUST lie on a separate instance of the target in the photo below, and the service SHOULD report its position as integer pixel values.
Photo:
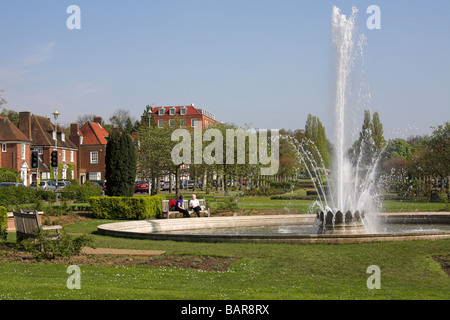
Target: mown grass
(263, 271)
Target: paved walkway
(87, 250)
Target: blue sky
(264, 63)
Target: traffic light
(54, 159)
(35, 159)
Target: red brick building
(44, 137)
(15, 149)
(186, 116)
(91, 140)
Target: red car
(141, 186)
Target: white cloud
(37, 55)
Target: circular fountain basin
(245, 229)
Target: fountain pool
(300, 228)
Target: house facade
(45, 138)
(182, 116)
(15, 150)
(91, 140)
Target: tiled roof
(9, 132)
(190, 110)
(42, 130)
(94, 133)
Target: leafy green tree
(435, 154)
(315, 131)
(370, 143)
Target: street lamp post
(55, 115)
(149, 115)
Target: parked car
(141, 186)
(11, 184)
(47, 185)
(166, 185)
(63, 184)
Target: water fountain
(347, 215)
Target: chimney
(74, 136)
(98, 120)
(25, 123)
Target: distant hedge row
(126, 208)
(12, 196)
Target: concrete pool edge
(160, 229)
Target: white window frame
(94, 157)
(161, 113)
(171, 123)
(183, 111)
(3, 147)
(161, 123)
(182, 123)
(172, 111)
(54, 135)
(194, 121)
(71, 156)
(23, 152)
(94, 176)
(63, 136)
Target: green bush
(230, 204)
(80, 193)
(8, 175)
(3, 223)
(281, 185)
(126, 208)
(64, 246)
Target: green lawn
(303, 205)
(264, 271)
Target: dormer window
(54, 135)
(161, 111)
(63, 136)
(172, 111)
(183, 111)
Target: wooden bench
(166, 210)
(28, 224)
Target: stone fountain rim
(159, 229)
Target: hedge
(3, 223)
(126, 208)
(12, 196)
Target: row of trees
(414, 165)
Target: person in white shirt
(195, 205)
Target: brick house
(41, 131)
(15, 149)
(188, 116)
(183, 117)
(91, 140)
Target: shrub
(281, 185)
(64, 246)
(126, 208)
(3, 223)
(8, 175)
(80, 193)
(230, 204)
